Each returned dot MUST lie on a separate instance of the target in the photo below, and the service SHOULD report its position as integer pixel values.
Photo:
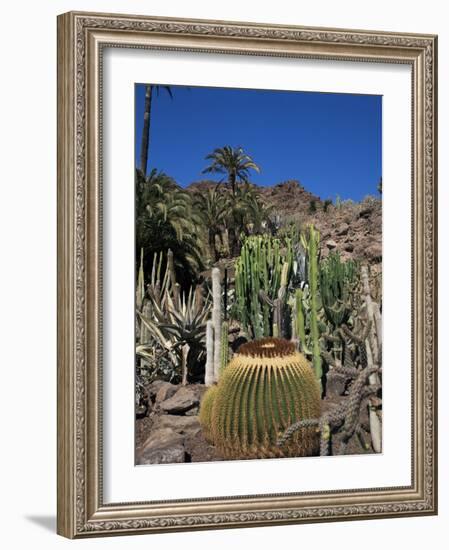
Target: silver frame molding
(81, 39)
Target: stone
(185, 425)
(164, 446)
(154, 387)
(182, 401)
(343, 229)
(165, 392)
(349, 247)
(374, 252)
(331, 244)
(365, 211)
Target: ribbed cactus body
(205, 413)
(266, 387)
(224, 345)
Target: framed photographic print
(246, 274)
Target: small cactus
(266, 387)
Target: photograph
(258, 274)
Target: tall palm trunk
(232, 181)
(146, 130)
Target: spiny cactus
(209, 375)
(263, 268)
(266, 387)
(311, 243)
(224, 345)
(337, 284)
(216, 319)
(205, 413)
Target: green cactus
(205, 412)
(337, 284)
(300, 321)
(311, 243)
(224, 345)
(266, 387)
(261, 272)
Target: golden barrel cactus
(205, 413)
(266, 387)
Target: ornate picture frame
(82, 38)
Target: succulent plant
(311, 243)
(205, 413)
(266, 387)
(262, 274)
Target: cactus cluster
(267, 386)
(262, 273)
(337, 281)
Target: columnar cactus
(266, 387)
(311, 243)
(216, 320)
(263, 264)
(337, 282)
(209, 376)
(224, 345)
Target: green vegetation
(216, 266)
(267, 387)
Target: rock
(374, 252)
(154, 387)
(349, 247)
(365, 211)
(182, 401)
(180, 424)
(164, 446)
(331, 244)
(193, 412)
(165, 392)
(343, 229)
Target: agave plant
(176, 320)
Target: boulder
(331, 244)
(343, 229)
(186, 398)
(164, 446)
(165, 391)
(185, 425)
(374, 252)
(154, 387)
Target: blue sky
(331, 143)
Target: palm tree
(250, 211)
(213, 208)
(144, 147)
(165, 218)
(232, 161)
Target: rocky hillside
(354, 229)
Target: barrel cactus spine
(266, 387)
